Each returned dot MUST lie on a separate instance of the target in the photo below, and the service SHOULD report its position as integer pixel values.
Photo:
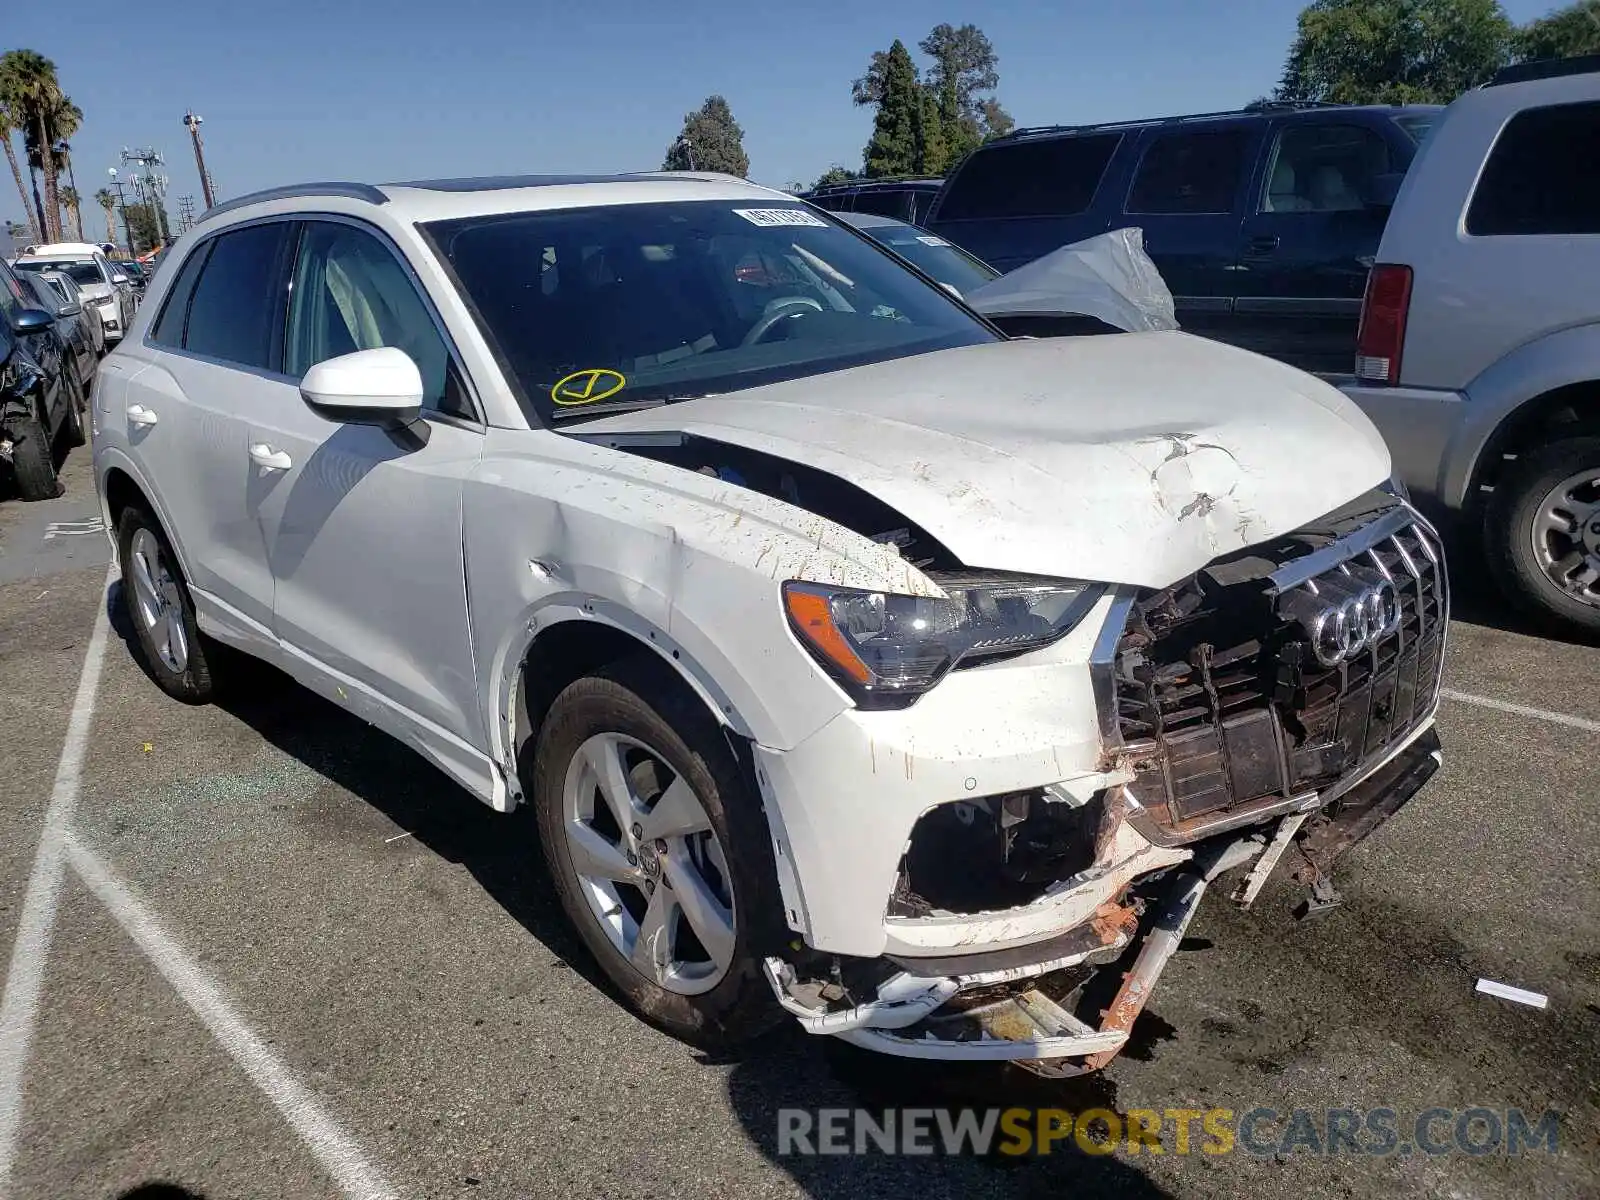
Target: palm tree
(69, 202)
(11, 122)
(30, 84)
(107, 201)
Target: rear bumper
(1420, 426)
(1036, 1006)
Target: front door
(1308, 243)
(363, 526)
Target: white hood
(1130, 458)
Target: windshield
(949, 264)
(79, 272)
(1417, 125)
(598, 310)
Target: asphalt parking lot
(288, 959)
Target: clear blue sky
(298, 90)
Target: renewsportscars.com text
(1264, 1132)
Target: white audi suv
(860, 663)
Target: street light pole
(193, 123)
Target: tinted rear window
(238, 304)
(884, 202)
(1190, 173)
(1543, 175)
(1052, 177)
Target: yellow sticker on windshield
(587, 387)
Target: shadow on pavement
(159, 1191)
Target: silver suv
(1479, 351)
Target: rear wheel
(659, 853)
(73, 430)
(1544, 533)
(161, 609)
(31, 462)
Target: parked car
(1263, 222)
(1479, 354)
(858, 662)
(67, 289)
(41, 400)
(105, 286)
(903, 199)
(137, 275)
(78, 352)
(947, 263)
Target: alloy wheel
(649, 864)
(158, 602)
(1566, 536)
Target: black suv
(1263, 221)
(902, 199)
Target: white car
(858, 662)
(105, 288)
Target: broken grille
(1221, 697)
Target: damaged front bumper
(1059, 1007)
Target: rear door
(1018, 199)
(1313, 229)
(1188, 195)
(215, 349)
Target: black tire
(1509, 533)
(31, 460)
(73, 431)
(642, 698)
(193, 684)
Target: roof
(62, 250)
(441, 199)
(1261, 112)
(881, 182)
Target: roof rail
(868, 181)
(1263, 107)
(1547, 68)
(352, 191)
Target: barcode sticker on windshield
(928, 239)
(780, 216)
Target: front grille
(1221, 699)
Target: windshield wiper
(606, 408)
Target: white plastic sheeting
(1109, 276)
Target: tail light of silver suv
(1383, 323)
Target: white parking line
(334, 1149)
(25, 978)
(1522, 710)
(19, 1009)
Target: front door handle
(270, 457)
(1262, 245)
(141, 416)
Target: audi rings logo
(1343, 615)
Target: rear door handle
(270, 457)
(139, 415)
(1262, 245)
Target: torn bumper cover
(1046, 1006)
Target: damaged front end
(1274, 708)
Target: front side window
(1323, 168)
(237, 309)
(621, 306)
(1049, 177)
(1543, 175)
(351, 293)
(1190, 173)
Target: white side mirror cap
(368, 387)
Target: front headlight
(886, 650)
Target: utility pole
(193, 122)
(122, 202)
(152, 187)
(185, 213)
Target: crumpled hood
(1129, 458)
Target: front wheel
(659, 853)
(1543, 527)
(31, 461)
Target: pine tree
(711, 140)
(893, 147)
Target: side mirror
(70, 309)
(370, 387)
(119, 277)
(1383, 189)
(31, 320)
